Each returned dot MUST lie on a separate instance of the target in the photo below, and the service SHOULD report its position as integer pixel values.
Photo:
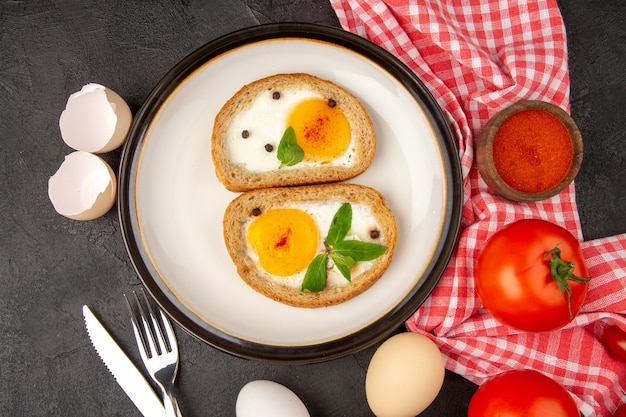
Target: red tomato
(531, 275)
(615, 341)
(522, 393)
(621, 411)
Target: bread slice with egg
(273, 235)
(331, 127)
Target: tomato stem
(561, 272)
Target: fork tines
(156, 334)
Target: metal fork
(158, 349)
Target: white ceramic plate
(171, 202)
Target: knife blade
(126, 374)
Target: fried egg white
(284, 240)
(321, 130)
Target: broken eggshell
(83, 188)
(96, 119)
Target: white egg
(264, 398)
(96, 119)
(83, 188)
(268, 118)
(363, 222)
(404, 376)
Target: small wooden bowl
(484, 152)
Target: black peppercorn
(374, 234)
(275, 95)
(331, 102)
(245, 134)
(256, 211)
(269, 147)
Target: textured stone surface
(50, 266)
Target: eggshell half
(83, 188)
(404, 376)
(264, 398)
(96, 119)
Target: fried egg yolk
(285, 240)
(322, 130)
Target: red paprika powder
(532, 151)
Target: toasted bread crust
(240, 211)
(236, 177)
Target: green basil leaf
(340, 225)
(343, 264)
(359, 250)
(315, 276)
(289, 152)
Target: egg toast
(310, 246)
(291, 129)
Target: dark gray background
(50, 266)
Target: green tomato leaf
(315, 276)
(289, 152)
(340, 225)
(343, 264)
(359, 250)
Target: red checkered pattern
(476, 58)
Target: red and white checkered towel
(476, 58)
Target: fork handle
(171, 405)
